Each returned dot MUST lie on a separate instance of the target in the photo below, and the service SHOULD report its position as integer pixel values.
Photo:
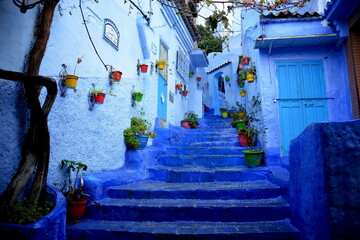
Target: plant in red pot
(243, 137)
(74, 193)
(143, 68)
(98, 96)
(115, 76)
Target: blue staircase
(199, 189)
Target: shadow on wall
(325, 181)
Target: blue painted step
(180, 230)
(201, 174)
(214, 210)
(202, 190)
(217, 150)
(202, 160)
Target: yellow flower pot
(243, 93)
(71, 81)
(250, 77)
(161, 66)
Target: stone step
(215, 143)
(211, 138)
(214, 210)
(198, 190)
(186, 150)
(202, 160)
(182, 230)
(201, 174)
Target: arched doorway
(219, 99)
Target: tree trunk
(37, 145)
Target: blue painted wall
(324, 181)
(92, 137)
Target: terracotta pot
(75, 210)
(99, 98)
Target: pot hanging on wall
(137, 96)
(250, 77)
(99, 98)
(246, 61)
(143, 68)
(179, 86)
(198, 79)
(71, 81)
(116, 76)
(185, 93)
(242, 93)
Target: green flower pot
(253, 158)
(240, 124)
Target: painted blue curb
(49, 227)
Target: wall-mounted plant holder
(241, 82)
(206, 85)
(243, 93)
(95, 97)
(66, 81)
(143, 68)
(198, 79)
(115, 76)
(191, 74)
(179, 87)
(185, 93)
(136, 97)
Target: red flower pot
(99, 98)
(246, 61)
(243, 140)
(116, 76)
(179, 87)
(75, 210)
(143, 68)
(185, 93)
(199, 79)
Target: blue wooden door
(162, 98)
(301, 98)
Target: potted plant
(241, 82)
(198, 79)
(161, 64)
(76, 197)
(137, 96)
(227, 78)
(224, 112)
(190, 120)
(253, 156)
(179, 86)
(98, 96)
(137, 135)
(245, 60)
(240, 109)
(242, 74)
(191, 74)
(250, 74)
(243, 137)
(185, 93)
(243, 93)
(143, 67)
(115, 76)
(71, 80)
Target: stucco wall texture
(92, 137)
(324, 180)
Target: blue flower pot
(143, 141)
